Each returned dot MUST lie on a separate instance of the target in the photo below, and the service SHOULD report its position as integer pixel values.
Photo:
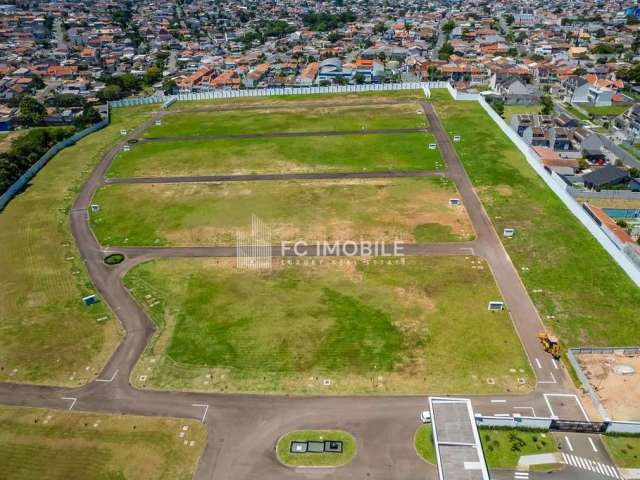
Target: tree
(152, 76)
(580, 71)
(634, 172)
(66, 100)
(379, 28)
(547, 105)
(359, 78)
(446, 51)
(447, 27)
(38, 83)
(498, 106)
(32, 112)
(88, 117)
(621, 223)
(109, 93)
(509, 19)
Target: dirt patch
(618, 393)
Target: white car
(425, 416)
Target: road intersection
(242, 428)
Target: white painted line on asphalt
(538, 363)
(600, 469)
(555, 364)
(526, 408)
(593, 445)
(575, 397)
(498, 401)
(502, 415)
(549, 381)
(108, 380)
(73, 401)
(206, 409)
(566, 439)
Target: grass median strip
(38, 443)
(407, 151)
(327, 326)
(43, 280)
(316, 459)
(314, 211)
(577, 287)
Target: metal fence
(556, 424)
(606, 194)
(586, 385)
(22, 182)
(267, 92)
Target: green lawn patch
(38, 443)
(389, 325)
(114, 259)
(424, 443)
(510, 110)
(585, 297)
(625, 450)
(610, 111)
(575, 112)
(276, 155)
(285, 456)
(402, 115)
(504, 447)
(46, 334)
(314, 211)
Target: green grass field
(624, 450)
(591, 298)
(504, 447)
(424, 443)
(510, 110)
(46, 334)
(54, 444)
(610, 111)
(211, 214)
(401, 327)
(276, 155)
(193, 123)
(285, 456)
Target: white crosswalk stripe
(521, 475)
(591, 465)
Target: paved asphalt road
(276, 176)
(243, 428)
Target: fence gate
(578, 426)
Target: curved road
(242, 428)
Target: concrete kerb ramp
(459, 453)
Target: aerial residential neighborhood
(333, 239)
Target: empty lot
(409, 209)
(370, 327)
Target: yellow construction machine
(550, 344)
